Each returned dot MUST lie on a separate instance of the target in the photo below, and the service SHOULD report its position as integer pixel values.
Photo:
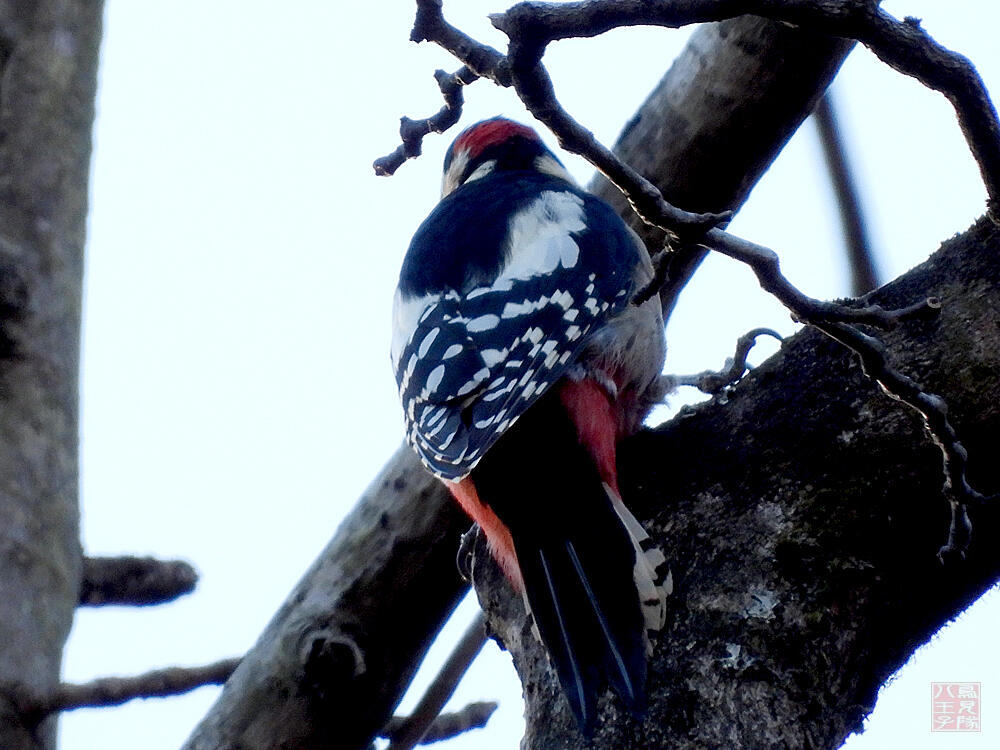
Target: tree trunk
(48, 63)
(802, 519)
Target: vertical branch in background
(860, 254)
(437, 695)
(49, 55)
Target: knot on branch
(329, 658)
(13, 303)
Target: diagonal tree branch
(338, 655)
(801, 520)
(766, 77)
(532, 29)
(441, 689)
(445, 726)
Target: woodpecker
(521, 362)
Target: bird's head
(494, 145)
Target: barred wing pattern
(469, 363)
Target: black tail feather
(588, 616)
(564, 652)
(618, 672)
(577, 558)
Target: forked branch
(904, 45)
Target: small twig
(134, 581)
(764, 263)
(661, 274)
(713, 382)
(412, 132)
(113, 691)
(903, 45)
(860, 255)
(934, 410)
(441, 689)
(445, 726)
(430, 26)
(534, 87)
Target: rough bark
(802, 520)
(278, 676)
(48, 64)
(337, 656)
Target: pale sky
(237, 394)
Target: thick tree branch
(801, 520)
(134, 581)
(338, 655)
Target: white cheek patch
(450, 179)
(548, 164)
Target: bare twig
(441, 689)
(903, 45)
(661, 274)
(445, 726)
(412, 132)
(113, 691)
(860, 255)
(934, 410)
(764, 263)
(713, 382)
(534, 87)
(486, 62)
(134, 581)
(530, 27)
(481, 59)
